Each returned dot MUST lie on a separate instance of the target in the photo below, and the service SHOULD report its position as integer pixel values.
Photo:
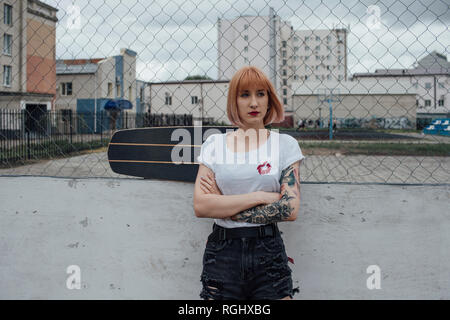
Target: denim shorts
(246, 269)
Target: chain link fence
(365, 85)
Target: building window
(306, 38)
(317, 38)
(284, 44)
(441, 102)
(245, 26)
(118, 90)
(284, 53)
(328, 38)
(7, 76)
(295, 77)
(427, 103)
(307, 48)
(328, 67)
(110, 89)
(306, 58)
(306, 77)
(285, 100)
(246, 38)
(328, 77)
(284, 82)
(194, 99)
(284, 72)
(317, 58)
(7, 14)
(245, 49)
(7, 40)
(317, 47)
(66, 88)
(295, 58)
(284, 91)
(130, 93)
(284, 62)
(295, 38)
(428, 85)
(168, 99)
(340, 77)
(441, 85)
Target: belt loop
(262, 231)
(274, 229)
(222, 233)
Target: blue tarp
(118, 104)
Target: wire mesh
(385, 63)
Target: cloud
(177, 38)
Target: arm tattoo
(279, 210)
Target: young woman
(246, 190)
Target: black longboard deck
(147, 152)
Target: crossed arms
(251, 207)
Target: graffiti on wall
(376, 123)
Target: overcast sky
(176, 38)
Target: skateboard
(168, 153)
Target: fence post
(101, 126)
(28, 145)
(70, 124)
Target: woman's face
(252, 106)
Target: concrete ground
(315, 168)
(140, 239)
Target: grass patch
(55, 149)
(327, 129)
(379, 149)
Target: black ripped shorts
(246, 269)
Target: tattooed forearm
(274, 212)
(280, 210)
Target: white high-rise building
(248, 40)
(284, 54)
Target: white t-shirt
(245, 172)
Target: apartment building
(27, 58)
(430, 77)
(249, 40)
(204, 99)
(284, 54)
(366, 102)
(86, 85)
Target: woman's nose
(253, 101)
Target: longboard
(168, 153)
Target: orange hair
(246, 78)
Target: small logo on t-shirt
(264, 168)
